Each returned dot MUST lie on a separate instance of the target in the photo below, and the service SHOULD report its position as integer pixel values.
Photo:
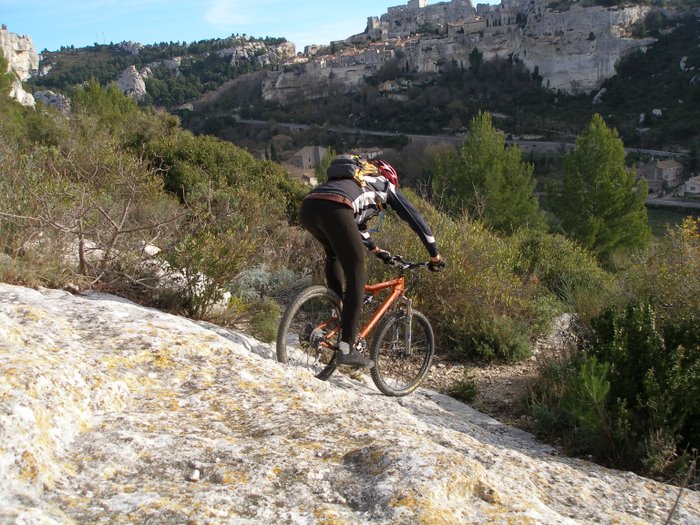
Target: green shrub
(669, 274)
(655, 380)
(465, 389)
(630, 395)
(479, 307)
(585, 402)
(204, 262)
(265, 320)
(631, 398)
(261, 282)
(501, 337)
(568, 271)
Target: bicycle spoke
(309, 330)
(399, 369)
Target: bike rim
(308, 340)
(400, 370)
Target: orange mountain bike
(402, 347)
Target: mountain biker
(336, 214)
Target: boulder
(131, 83)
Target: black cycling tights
(333, 224)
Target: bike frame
(398, 287)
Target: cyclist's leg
(333, 271)
(334, 226)
(314, 215)
(347, 244)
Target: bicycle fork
(407, 305)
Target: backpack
(350, 167)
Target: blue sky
(53, 24)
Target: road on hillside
(525, 145)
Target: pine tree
(600, 204)
(488, 180)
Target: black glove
(384, 256)
(436, 266)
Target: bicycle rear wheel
(399, 368)
(308, 327)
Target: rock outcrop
(111, 412)
(258, 53)
(131, 83)
(23, 61)
(55, 100)
(132, 48)
(576, 50)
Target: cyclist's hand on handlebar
(384, 255)
(436, 265)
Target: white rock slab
(112, 412)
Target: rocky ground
(500, 389)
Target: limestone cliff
(574, 50)
(23, 61)
(115, 413)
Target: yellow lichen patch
(327, 516)
(158, 504)
(162, 358)
(109, 472)
(117, 361)
(425, 512)
(28, 467)
(233, 477)
(44, 424)
(76, 501)
(501, 514)
(486, 493)
(30, 315)
(69, 469)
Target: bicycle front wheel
(401, 362)
(309, 330)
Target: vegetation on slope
(200, 67)
(85, 195)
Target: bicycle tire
(305, 323)
(397, 372)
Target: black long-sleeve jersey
(368, 200)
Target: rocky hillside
(574, 50)
(423, 68)
(166, 74)
(116, 413)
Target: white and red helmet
(387, 170)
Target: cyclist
(336, 214)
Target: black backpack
(350, 167)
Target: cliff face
(111, 412)
(23, 60)
(577, 50)
(574, 50)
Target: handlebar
(398, 260)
